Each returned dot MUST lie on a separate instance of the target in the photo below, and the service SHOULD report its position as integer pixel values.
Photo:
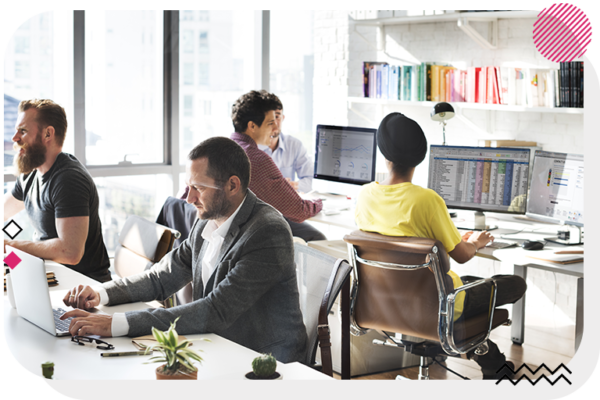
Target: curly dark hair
(253, 106)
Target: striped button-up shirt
(271, 187)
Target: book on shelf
(431, 81)
(509, 143)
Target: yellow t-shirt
(405, 209)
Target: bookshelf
(448, 17)
(465, 106)
(461, 18)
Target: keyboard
(501, 244)
(62, 326)
(335, 207)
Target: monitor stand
(478, 223)
(571, 236)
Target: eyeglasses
(201, 187)
(82, 340)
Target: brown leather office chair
(141, 244)
(401, 285)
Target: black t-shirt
(66, 190)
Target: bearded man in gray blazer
(239, 256)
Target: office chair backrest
(314, 270)
(398, 300)
(141, 244)
(179, 215)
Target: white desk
(516, 256)
(32, 346)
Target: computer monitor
(480, 179)
(345, 154)
(556, 193)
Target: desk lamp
(442, 112)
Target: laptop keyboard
(61, 325)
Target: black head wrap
(401, 140)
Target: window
(124, 87)
(188, 105)
(292, 70)
(203, 74)
(188, 73)
(203, 42)
(22, 45)
(187, 41)
(36, 67)
(124, 83)
(224, 73)
(122, 196)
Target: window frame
(171, 157)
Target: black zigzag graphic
(552, 372)
(533, 382)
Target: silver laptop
(32, 298)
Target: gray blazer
(251, 298)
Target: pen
(125, 353)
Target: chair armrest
(447, 320)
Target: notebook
(32, 299)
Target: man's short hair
(252, 106)
(273, 97)
(48, 114)
(225, 159)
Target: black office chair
(178, 214)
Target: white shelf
(471, 16)
(465, 106)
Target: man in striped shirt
(253, 117)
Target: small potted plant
(263, 367)
(176, 355)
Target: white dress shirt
(215, 235)
(291, 158)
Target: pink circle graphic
(562, 32)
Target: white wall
(341, 46)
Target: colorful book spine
(561, 87)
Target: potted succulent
(263, 367)
(176, 355)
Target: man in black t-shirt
(58, 193)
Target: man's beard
(33, 156)
(219, 207)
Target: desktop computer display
(480, 179)
(345, 154)
(556, 193)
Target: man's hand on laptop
(85, 323)
(83, 297)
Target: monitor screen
(345, 154)
(480, 178)
(556, 193)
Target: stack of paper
(563, 256)
(52, 281)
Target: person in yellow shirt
(397, 207)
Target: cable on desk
(448, 369)
(512, 233)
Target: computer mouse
(532, 245)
